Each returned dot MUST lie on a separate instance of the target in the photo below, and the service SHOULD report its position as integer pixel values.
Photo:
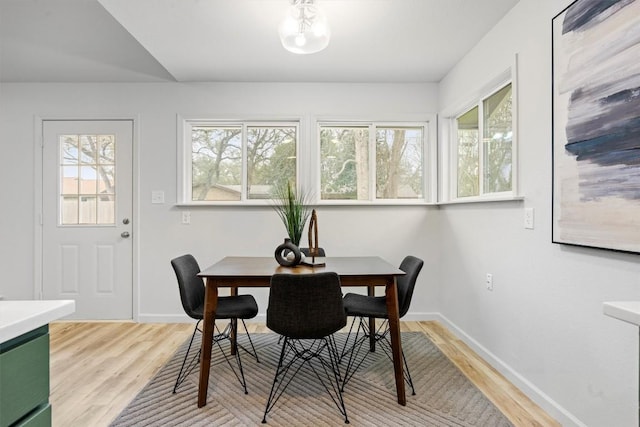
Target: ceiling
(235, 40)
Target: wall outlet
(528, 218)
(489, 281)
(186, 217)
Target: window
(372, 161)
(238, 161)
(87, 179)
(344, 162)
(484, 149)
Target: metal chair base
(356, 354)
(186, 369)
(297, 353)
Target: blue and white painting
(596, 128)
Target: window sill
(467, 200)
(333, 203)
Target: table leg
(210, 305)
(371, 291)
(396, 344)
(234, 326)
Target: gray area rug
(444, 396)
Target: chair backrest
(191, 286)
(305, 306)
(411, 266)
(305, 251)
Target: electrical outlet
(528, 218)
(186, 217)
(489, 281)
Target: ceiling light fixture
(305, 29)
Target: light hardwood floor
(99, 367)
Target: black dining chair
(306, 309)
(306, 252)
(231, 307)
(363, 307)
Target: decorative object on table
(293, 209)
(596, 125)
(288, 254)
(313, 243)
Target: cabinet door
(24, 379)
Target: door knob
(125, 234)
(125, 221)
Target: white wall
(390, 232)
(543, 324)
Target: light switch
(157, 196)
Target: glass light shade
(305, 29)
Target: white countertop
(628, 311)
(19, 317)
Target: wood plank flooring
(97, 368)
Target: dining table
(234, 272)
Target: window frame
(308, 156)
(185, 159)
(449, 144)
(429, 158)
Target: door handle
(125, 234)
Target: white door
(86, 216)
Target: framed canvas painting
(596, 125)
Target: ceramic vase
(287, 254)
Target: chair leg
(185, 369)
(253, 351)
(300, 353)
(406, 372)
(344, 350)
(185, 373)
(226, 335)
(357, 356)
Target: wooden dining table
(240, 271)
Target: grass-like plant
(293, 209)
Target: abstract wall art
(596, 125)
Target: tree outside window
(345, 169)
(217, 160)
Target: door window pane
(399, 163)
(106, 149)
(87, 169)
(468, 153)
(344, 163)
(69, 149)
(106, 209)
(69, 210)
(88, 149)
(88, 210)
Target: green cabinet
(24, 380)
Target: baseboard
(564, 417)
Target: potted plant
(293, 210)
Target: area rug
(444, 396)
